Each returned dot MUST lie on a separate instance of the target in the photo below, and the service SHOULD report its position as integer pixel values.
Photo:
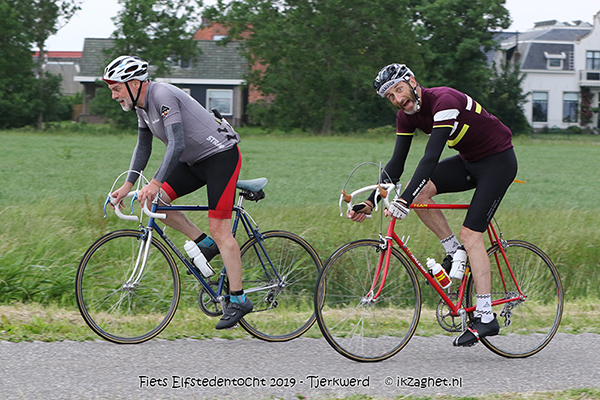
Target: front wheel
(357, 324)
(528, 324)
(279, 273)
(122, 303)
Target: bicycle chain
(448, 322)
(215, 307)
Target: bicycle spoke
(526, 325)
(356, 325)
(282, 308)
(135, 311)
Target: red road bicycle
(368, 297)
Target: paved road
(158, 369)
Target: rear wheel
(279, 273)
(527, 324)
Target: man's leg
(485, 323)
(433, 219)
(220, 230)
(437, 223)
(239, 305)
(179, 221)
(478, 259)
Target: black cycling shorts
(219, 173)
(490, 177)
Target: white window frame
(539, 97)
(570, 98)
(209, 106)
(550, 58)
(591, 60)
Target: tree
(44, 18)
(17, 81)
(316, 60)
(506, 98)
(454, 35)
(159, 31)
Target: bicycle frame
(240, 214)
(455, 309)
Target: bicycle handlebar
(133, 195)
(382, 189)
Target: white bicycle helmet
(126, 68)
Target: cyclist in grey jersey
(201, 151)
(165, 113)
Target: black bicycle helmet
(391, 75)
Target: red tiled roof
(62, 54)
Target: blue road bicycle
(128, 284)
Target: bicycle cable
(381, 172)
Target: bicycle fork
(140, 263)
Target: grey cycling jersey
(190, 132)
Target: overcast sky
(94, 19)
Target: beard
(414, 108)
(126, 105)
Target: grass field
(54, 186)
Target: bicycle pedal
(233, 327)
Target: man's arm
(141, 153)
(395, 167)
(175, 147)
(392, 171)
(433, 152)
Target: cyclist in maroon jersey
(201, 151)
(485, 162)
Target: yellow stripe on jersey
(478, 108)
(460, 135)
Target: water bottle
(198, 258)
(438, 273)
(458, 264)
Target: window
(570, 106)
(540, 106)
(177, 62)
(219, 37)
(555, 61)
(593, 60)
(220, 99)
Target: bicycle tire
(285, 312)
(356, 328)
(534, 321)
(121, 313)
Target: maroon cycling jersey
(476, 134)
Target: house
(65, 64)
(215, 78)
(561, 61)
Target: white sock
(484, 308)
(451, 244)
